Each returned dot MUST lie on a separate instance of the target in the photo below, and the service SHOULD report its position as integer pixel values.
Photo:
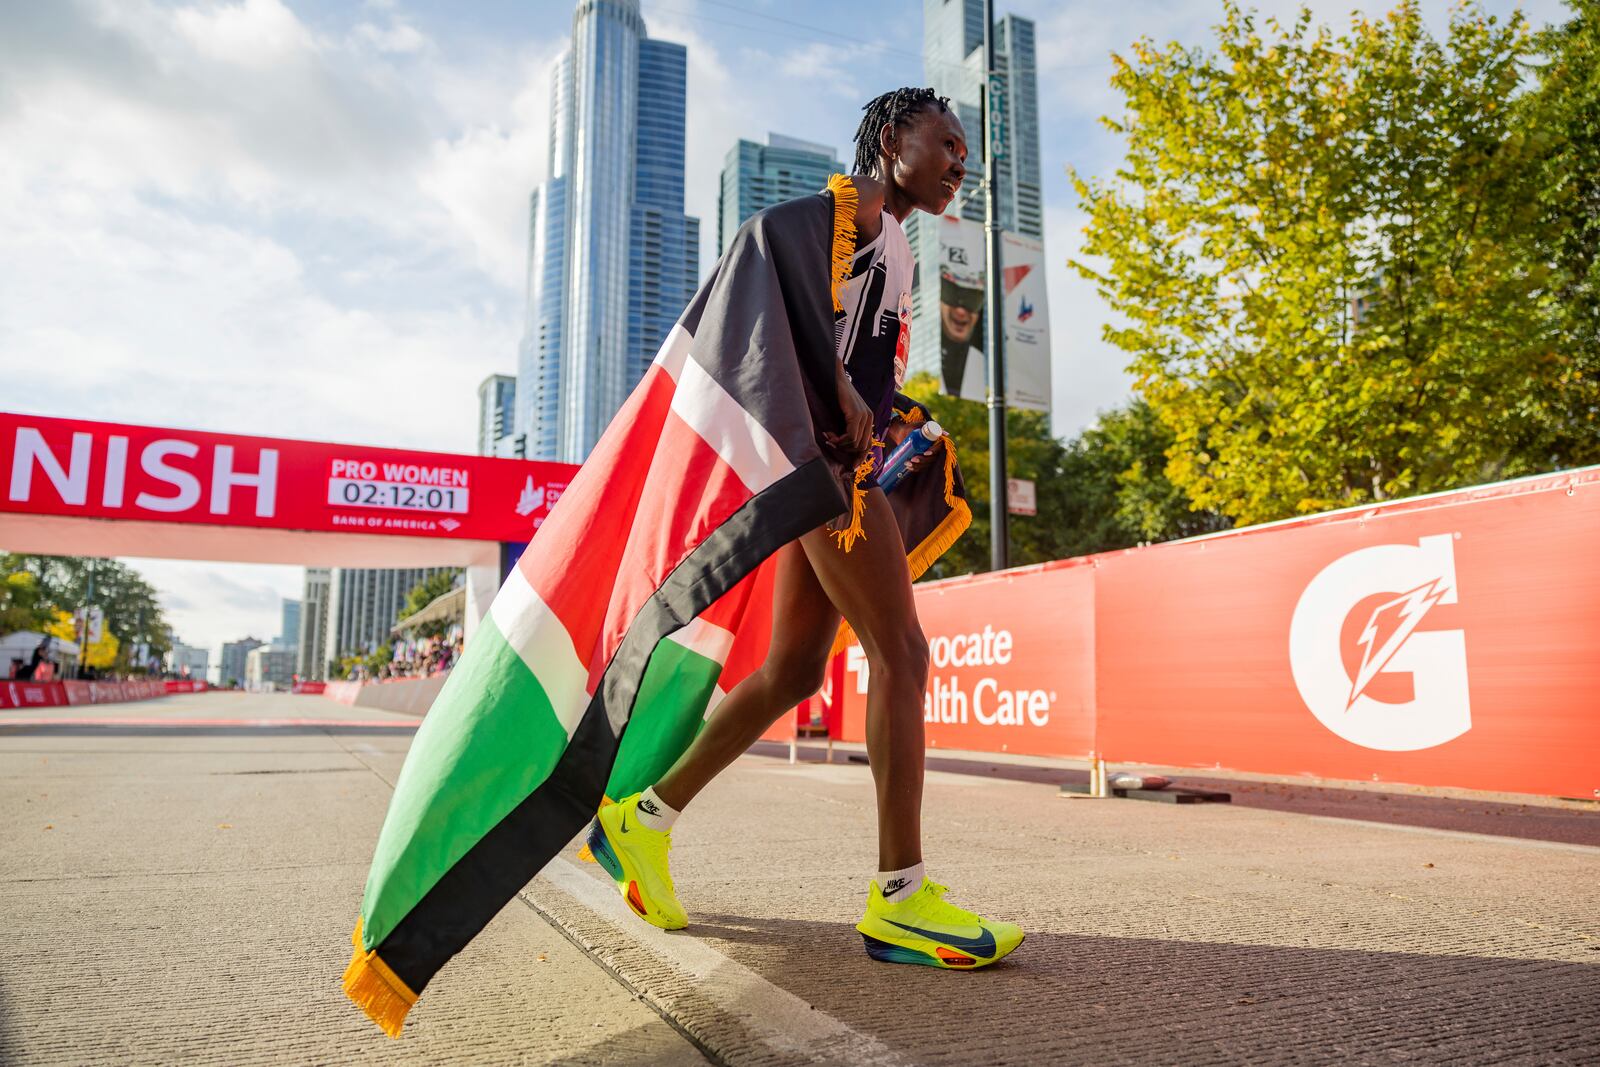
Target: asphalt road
(180, 879)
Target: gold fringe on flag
(847, 537)
(376, 989)
(938, 540)
(845, 201)
(950, 528)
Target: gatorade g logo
(1358, 626)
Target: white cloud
(259, 34)
(206, 604)
(222, 217)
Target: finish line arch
(80, 488)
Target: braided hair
(895, 107)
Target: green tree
(1326, 253)
(426, 592)
(1115, 472)
(131, 605)
(1563, 116)
(379, 658)
(1103, 490)
(21, 606)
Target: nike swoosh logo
(978, 946)
(624, 822)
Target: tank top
(873, 333)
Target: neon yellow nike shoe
(636, 858)
(924, 929)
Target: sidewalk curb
(727, 1011)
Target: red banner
(15, 695)
(112, 471)
(1452, 640)
(185, 685)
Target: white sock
(898, 885)
(655, 813)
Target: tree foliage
(426, 592)
(22, 607)
(67, 583)
(1563, 115)
(1104, 489)
(1331, 262)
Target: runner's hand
(920, 461)
(857, 435)
(897, 431)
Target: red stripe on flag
(750, 643)
(688, 493)
(572, 561)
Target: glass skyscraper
(952, 56)
(612, 258)
(497, 414)
(757, 176)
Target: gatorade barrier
(185, 685)
(1451, 640)
(15, 695)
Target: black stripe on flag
(474, 890)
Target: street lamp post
(993, 326)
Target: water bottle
(916, 443)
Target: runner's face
(929, 156)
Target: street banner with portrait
(963, 363)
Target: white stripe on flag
(718, 695)
(537, 636)
(733, 433)
(704, 639)
(674, 351)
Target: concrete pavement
(186, 896)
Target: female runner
(910, 155)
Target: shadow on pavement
(1075, 998)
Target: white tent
(21, 644)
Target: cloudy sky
(307, 219)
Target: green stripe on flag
(667, 715)
(489, 740)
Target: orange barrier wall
(1451, 640)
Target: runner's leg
(872, 587)
(804, 623)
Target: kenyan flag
(640, 600)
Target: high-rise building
(497, 412)
(363, 603)
(188, 660)
(268, 667)
(756, 176)
(311, 660)
(232, 663)
(289, 626)
(953, 61)
(612, 258)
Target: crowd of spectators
(420, 657)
